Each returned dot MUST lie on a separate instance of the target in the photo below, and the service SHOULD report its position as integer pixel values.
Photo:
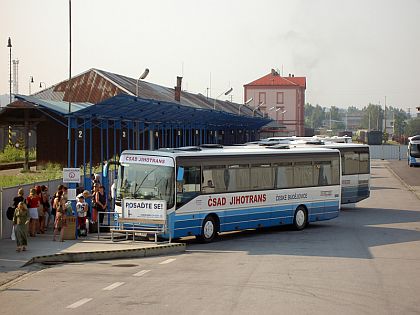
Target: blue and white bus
(205, 191)
(413, 152)
(355, 166)
(355, 161)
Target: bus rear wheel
(301, 218)
(208, 230)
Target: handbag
(10, 212)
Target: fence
(388, 152)
(6, 200)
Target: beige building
(281, 99)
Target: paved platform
(43, 251)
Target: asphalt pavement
(43, 251)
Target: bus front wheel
(208, 230)
(301, 218)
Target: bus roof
(197, 151)
(414, 139)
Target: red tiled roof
(277, 80)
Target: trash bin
(70, 229)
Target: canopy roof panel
(127, 107)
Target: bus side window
(189, 187)
(323, 173)
(213, 179)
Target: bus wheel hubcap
(300, 218)
(208, 229)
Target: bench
(160, 227)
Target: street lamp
(9, 45)
(225, 93)
(253, 111)
(278, 109)
(142, 77)
(246, 103)
(31, 80)
(42, 83)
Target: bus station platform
(42, 251)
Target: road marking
(80, 303)
(113, 286)
(140, 273)
(167, 261)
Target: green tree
(413, 127)
(314, 115)
(399, 117)
(373, 117)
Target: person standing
(33, 202)
(95, 206)
(101, 203)
(60, 215)
(18, 198)
(81, 209)
(20, 221)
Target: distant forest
(372, 117)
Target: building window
(261, 98)
(280, 98)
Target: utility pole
(385, 121)
(9, 45)
(385, 116)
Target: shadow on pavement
(351, 235)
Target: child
(81, 208)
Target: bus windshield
(143, 181)
(415, 149)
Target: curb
(109, 254)
(411, 189)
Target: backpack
(10, 212)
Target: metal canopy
(58, 107)
(131, 108)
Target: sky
(352, 53)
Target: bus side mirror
(180, 174)
(106, 167)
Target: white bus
(355, 161)
(413, 153)
(355, 166)
(205, 191)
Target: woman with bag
(11, 210)
(18, 198)
(20, 224)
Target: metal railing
(109, 218)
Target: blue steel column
(90, 151)
(105, 181)
(107, 141)
(128, 134)
(68, 141)
(75, 142)
(84, 152)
